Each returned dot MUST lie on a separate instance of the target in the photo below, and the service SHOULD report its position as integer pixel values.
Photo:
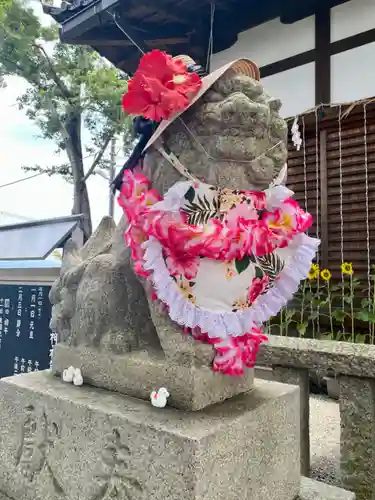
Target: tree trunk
(81, 205)
(81, 202)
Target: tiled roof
(66, 10)
(176, 26)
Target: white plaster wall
(353, 74)
(269, 42)
(295, 88)
(351, 18)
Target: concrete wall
(20, 276)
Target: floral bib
(222, 261)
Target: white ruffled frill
(222, 324)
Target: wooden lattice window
(328, 176)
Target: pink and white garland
(163, 244)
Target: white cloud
(42, 197)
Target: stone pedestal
(138, 373)
(62, 442)
(357, 412)
(310, 490)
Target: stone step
(314, 490)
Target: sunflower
(314, 272)
(347, 268)
(325, 274)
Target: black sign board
(25, 337)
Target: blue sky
(42, 197)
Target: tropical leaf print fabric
(223, 261)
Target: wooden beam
(323, 58)
(323, 198)
(288, 63)
(349, 43)
(352, 42)
(292, 11)
(127, 43)
(125, 28)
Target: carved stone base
(64, 442)
(137, 374)
(310, 490)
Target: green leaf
(243, 264)
(301, 327)
(190, 194)
(201, 210)
(339, 336)
(289, 313)
(324, 302)
(367, 316)
(326, 336)
(313, 315)
(259, 273)
(362, 315)
(338, 314)
(271, 264)
(364, 303)
(316, 302)
(360, 338)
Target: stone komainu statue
(232, 137)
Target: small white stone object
(77, 377)
(68, 375)
(159, 399)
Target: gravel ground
(325, 439)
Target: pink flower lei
(224, 240)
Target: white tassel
(296, 135)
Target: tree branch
(18, 68)
(63, 88)
(98, 156)
(63, 170)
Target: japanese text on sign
(25, 336)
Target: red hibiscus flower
(160, 87)
(251, 343)
(287, 220)
(158, 64)
(187, 267)
(236, 353)
(187, 84)
(258, 286)
(134, 185)
(259, 198)
(171, 72)
(148, 97)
